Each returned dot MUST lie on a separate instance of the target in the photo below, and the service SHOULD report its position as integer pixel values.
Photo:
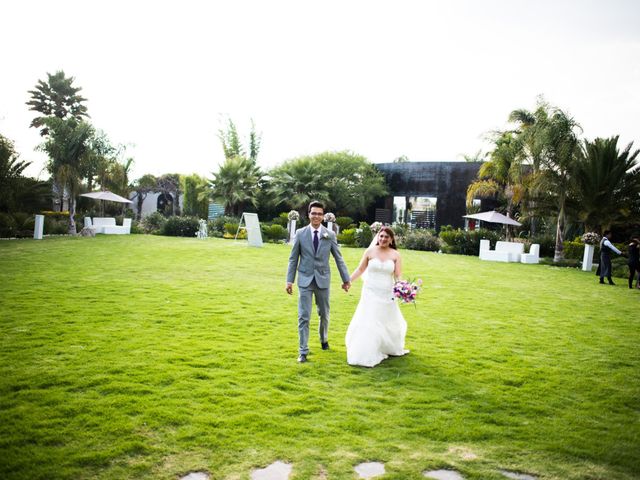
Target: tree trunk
(558, 255)
(139, 205)
(72, 213)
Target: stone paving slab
(369, 469)
(276, 471)
(517, 476)
(443, 475)
(196, 476)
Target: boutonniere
(325, 235)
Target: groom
(310, 257)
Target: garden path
(281, 471)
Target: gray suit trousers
(304, 313)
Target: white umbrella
(493, 217)
(106, 195)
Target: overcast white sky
(425, 79)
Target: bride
(377, 329)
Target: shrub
(25, 223)
(55, 215)
(344, 222)
(231, 228)
(274, 232)
(363, 235)
(282, 219)
(619, 267)
(242, 234)
(347, 236)
(56, 227)
(8, 225)
(573, 250)
(400, 229)
(217, 224)
(181, 226)
(547, 244)
(466, 242)
(136, 228)
(421, 239)
(567, 262)
(153, 223)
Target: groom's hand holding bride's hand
(346, 286)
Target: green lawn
(131, 357)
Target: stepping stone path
(443, 475)
(281, 471)
(369, 469)
(276, 471)
(196, 476)
(517, 476)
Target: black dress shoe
(325, 345)
(611, 283)
(302, 358)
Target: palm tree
(529, 146)
(606, 183)
(117, 179)
(11, 169)
(501, 175)
(236, 184)
(66, 144)
(57, 97)
(560, 148)
(296, 183)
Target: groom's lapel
(309, 240)
(321, 232)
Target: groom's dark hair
(316, 204)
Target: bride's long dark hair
(389, 232)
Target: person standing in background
(634, 261)
(606, 247)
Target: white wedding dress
(377, 328)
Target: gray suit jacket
(310, 265)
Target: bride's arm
(362, 267)
(398, 270)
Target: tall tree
(236, 184)
(196, 195)
(56, 97)
(529, 136)
(606, 183)
(295, 183)
(560, 147)
(343, 180)
(232, 146)
(11, 168)
(142, 187)
(99, 160)
(66, 144)
(501, 176)
(352, 181)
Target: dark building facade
(446, 181)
